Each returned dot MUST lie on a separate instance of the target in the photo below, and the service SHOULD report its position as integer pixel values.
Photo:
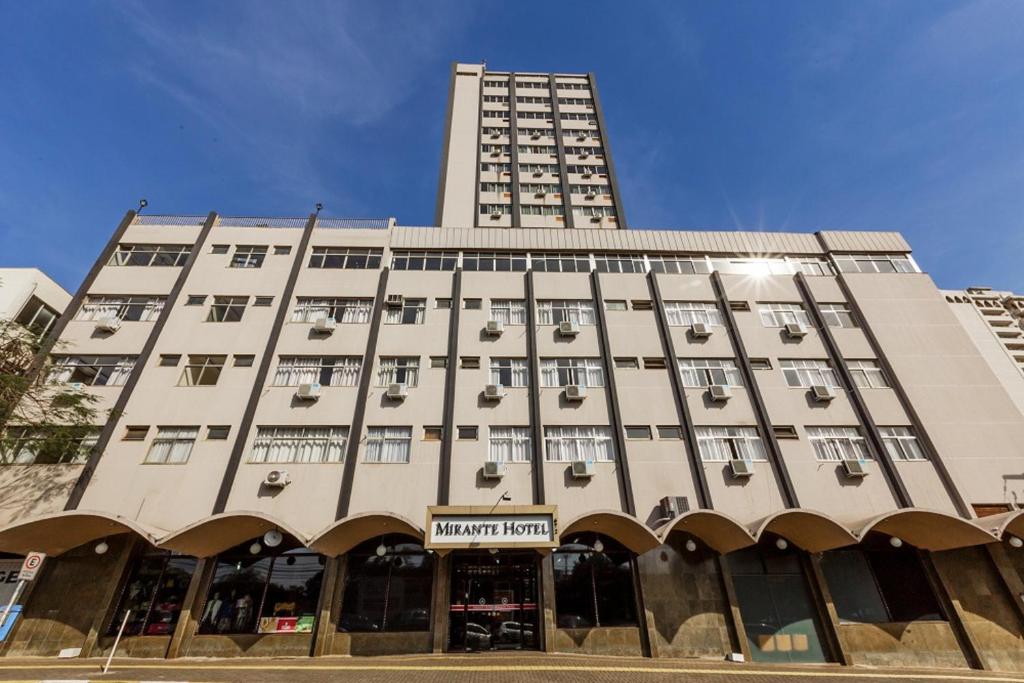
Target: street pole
(14, 599)
(117, 640)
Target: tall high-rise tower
(526, 150)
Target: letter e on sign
(30, 567)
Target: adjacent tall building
(330, 436)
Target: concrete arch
(718, 531)
(345, 534)
(59, 532)
(807, 529)
(208, 536)
(1004, 524)
(624, 528)
(929, 529)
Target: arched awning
(1003, 524)
(624, 528)
(718, 531)
(810, 530)
(59, 532)
(928, 529)
(211, 535)
(345, 534)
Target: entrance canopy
(929, 529)
(1002, 525)
(624, 528)
(59, 532)
(718, 531)
(812, 531)
(345, 534)
(211, 535)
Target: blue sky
(723, 115)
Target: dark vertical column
(764, 427)
(479, 149)
(735, 617)
(613, 179)
(106, 604)
(188, 620)
(513, 141)
(901, 394)
(283, 307)
(563, 167)
(679, 393)
(440, 603)
(355, 430)
(644, 618)
(547, 603)
(826, 607)
(536, 426)
(614, 413)
(443, 176)
(954, 613)
(448, 427)
(75, 497)
(892, 475)
(322, 628)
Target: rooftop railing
(267, 222)
(156, 219)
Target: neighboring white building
(31, 297)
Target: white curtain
(515, 370)
(509, 311)
(698, 372)
(299, 445)
(293, 371)
(778, 315)
(837, 443)
(388, 444)
(554, 312)
(509, 444)
(685, 313)
(567, 444)
(93, 370)
(721, 444)
(395, 370)
(172, 445)
(808, 373)
(558, 372)
(345, 311)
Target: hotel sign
(508, 526)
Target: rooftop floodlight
(142, 205)
(319, 206)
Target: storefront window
(154, 594)
(594, 583)
(879, 584)
(270, 591)
(387, 591)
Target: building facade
(331, 436)
(30, 297)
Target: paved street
(531, 668)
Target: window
(470, 362)
(901, 444)
(638, 432)
(495, 187)
(154, 594)
(722, 444)
(616, 305)
(594, 211)
(398, 370)
(739, 306)
(244, 360)
(578, 311)
(832, 444)
(282, 250)
(442, 303)
(812, 266)
(592, 588)
(875, 263)
(751, 266)
(472, 304)
(37, 446)
(195, 300)
(411, 312)
(585, 169)
(263, 301)
(838, 315)
(784, 432)
(642, 305)
(127, 308)
(299, 445)
(670, 432)
(686, 313)
(344, 311)
(327, 371)
(390, 592)
(342, 257)
(590, 189)
(202, 371)
(136, 433)
(509, 311)
(159, 255)
(220, 249)
(808, 373)
(780, 315)
(560, 263)
(760, 364)
(560, 372)
(540, 188)
(169, 360)
(218, 432)
(874, 584)
(172, 445)
(867, 374)
(552, 169)
(388, 444)
(439, 361)
(227, 309)
(542, 210)
(706, 372)
(619, 263)
(509, 372)
(94, 371)
(248, 256)
(467, 433)
(269, 591)
(424, 260)
(654, 364)
(572, 443)
(509, 444)
(433, 433)
(627, 363)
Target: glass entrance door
(494, 601)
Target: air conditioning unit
(494, 392)
(398, 391)
(494, 328)
(796, 330)
(540, 194)
(76, 386)
(585, 155)
(568, 328)
(495, 152)
(595, 219)
(495, 136)
(591, 195)
(277, 479)
(394, 301)
(673, 506)
(495, 215)
(108, 324)
(308, 392)
(587, 174)
(538, 174)
(535, 136)
(582, 137)
(325, 325)
(855, 468)
(741, 469)
(720, 392)
(822, 393)
(575, 392)
(494, 470)
(700, 330)
(582, 469)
